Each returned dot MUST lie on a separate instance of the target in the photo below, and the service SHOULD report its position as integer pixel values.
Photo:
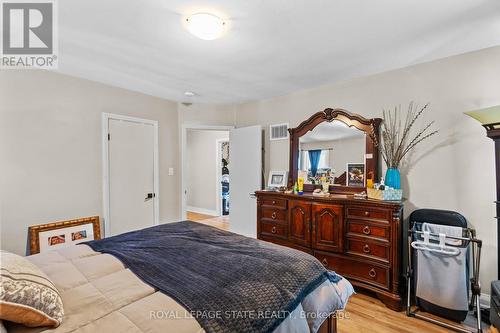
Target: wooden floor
(192, 216)
(221, 222)
(363, 313)
(368, 314)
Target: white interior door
(246, 170)
(131, 158)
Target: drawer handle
(273, 216)
(324, 262)
(274, 202)
(367, 213)
(372, 273)
(366, 230)
(366, 248)
(273, 230)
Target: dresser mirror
(336, 146)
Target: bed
(101, 293)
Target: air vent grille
(279, 132)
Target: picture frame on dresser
(48, 236)
(277, 179)
(355, 175)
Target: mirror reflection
(333, 152)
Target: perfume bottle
(300, 182)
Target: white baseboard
(202, 211)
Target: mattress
(101, 295)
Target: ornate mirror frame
(370, 126)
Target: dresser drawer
(368, 213)
(273, 229)
(369, 229)
(274, 214)
(364, 247)
(274, 202)
(364, 271)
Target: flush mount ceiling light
(205, 26)
(189, 94)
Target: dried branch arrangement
(396, 142)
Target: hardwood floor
(192, 216)
(364, 313)
(368, 314)
(221, 222)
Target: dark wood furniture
(329, 325)
(369, 126)
(341, 180)
(358, 238)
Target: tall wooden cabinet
(359, 239)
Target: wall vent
(278, 131)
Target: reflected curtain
(314, 156)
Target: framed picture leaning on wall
(44, 237)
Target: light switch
(170, 171)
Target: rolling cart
(443, 245)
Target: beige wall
(201, 169)
(206, 114)
(50, 149)
(453, 170)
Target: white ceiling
(336, 130)
(271, 47)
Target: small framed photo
(277, 179)
(44, 237)
(355, 174)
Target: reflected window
(324, 160)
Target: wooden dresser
(357, 238)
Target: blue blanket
(228, 282)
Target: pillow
(27, 296)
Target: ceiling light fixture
(205, 26)
(189, 94)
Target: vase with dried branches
(398, 139)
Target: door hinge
(109, 136)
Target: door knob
(149, 196)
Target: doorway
(223, 177)
(130, 173)
(205, 177)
